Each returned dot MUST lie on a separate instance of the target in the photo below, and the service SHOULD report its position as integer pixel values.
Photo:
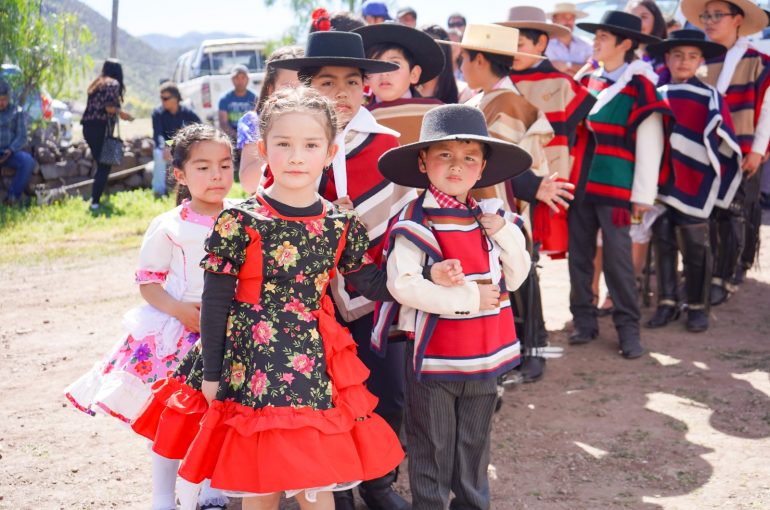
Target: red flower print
(300, 278)
(259, 383)
(263, 332)
(315, 227)
(303, 364)
(143, 367)
(287, 377)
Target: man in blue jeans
(13, 137)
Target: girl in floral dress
(277, 402)
(162, 331)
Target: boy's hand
(751, 163)
(189, 314)
(344, 203)
(209, 390)
(447, 273)
(492, 223)
(489, 296)
(553, 192)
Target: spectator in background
(235, 103)
(13, 138)
(457, 21)
(444, 86)
(653, 23)
(105, 95)
(167, 119)
(407, 16)
(375, 12)
(568, 53)
(672, 25)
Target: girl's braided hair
(299, 99)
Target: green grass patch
(69, 228)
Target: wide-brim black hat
(426, 52)
(449, 123)
(687, 37)
(621, 23)
(339, 49)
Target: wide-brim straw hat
(567, 8)
(454, 122)
(427, 54)
(533, 18)
(495, 39)
(754, 19)
(621, 23)
(687, 37)
(338, 49)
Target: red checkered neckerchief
(449, 202)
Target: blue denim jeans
(23, 163)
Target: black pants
(584, 221)
(93, 132)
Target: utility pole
(114, 33)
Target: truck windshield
(222, 62)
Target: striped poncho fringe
(705, 154)
(414, 224)
(605, 152)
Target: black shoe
(718, 295)
(740, 275)
(631, 349)
(663, 315)
(697, 320)
(378, 494)
(532, 369)
(344, 500)
(580, 336)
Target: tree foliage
(303, 8)
(47, 49)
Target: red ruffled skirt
(550, 230)
(273, 449)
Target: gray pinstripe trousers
(448, 425)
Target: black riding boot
(696, 255)
(664, 244)
(727, 239)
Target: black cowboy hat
(687, 37)
(427, 54)
(449, 123)
(620, 23)
(341, 49)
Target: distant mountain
(184, 42)
(143, 65)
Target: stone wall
(74, 164)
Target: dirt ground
(685, 427)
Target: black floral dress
(291, 385)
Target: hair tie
(321, 22)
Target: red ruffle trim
(550, 230)
(272, 449)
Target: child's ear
(421, 162)
(542, 44)
(333, 148)
(483, 166)
(262, 148)
(414, 74)
(179, 176)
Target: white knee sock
(188, 494)
(163, 482)
(211, 496)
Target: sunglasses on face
(166, 98)
(715, 17)
(456, 24)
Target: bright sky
(176, 17)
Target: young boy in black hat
(336, 66)
(463, 339)
(704, 173)
(618, 158)
(395, 102)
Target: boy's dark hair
(630, 54)
(181, 147)
(500, 65)
(735, 10)
(300, 99)
(533, 35)
(446, 91)
(308, 73)
(268, 86)
(345, 21)
(171, 88)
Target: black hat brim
(368, 65)
(709, 49)
(504, 161)
(625, 32)
(426, 52)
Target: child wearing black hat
(618, 157)
(395, 102)
(461, 340)
(704, 173)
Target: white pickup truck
(203, 75)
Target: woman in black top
(105, 94)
